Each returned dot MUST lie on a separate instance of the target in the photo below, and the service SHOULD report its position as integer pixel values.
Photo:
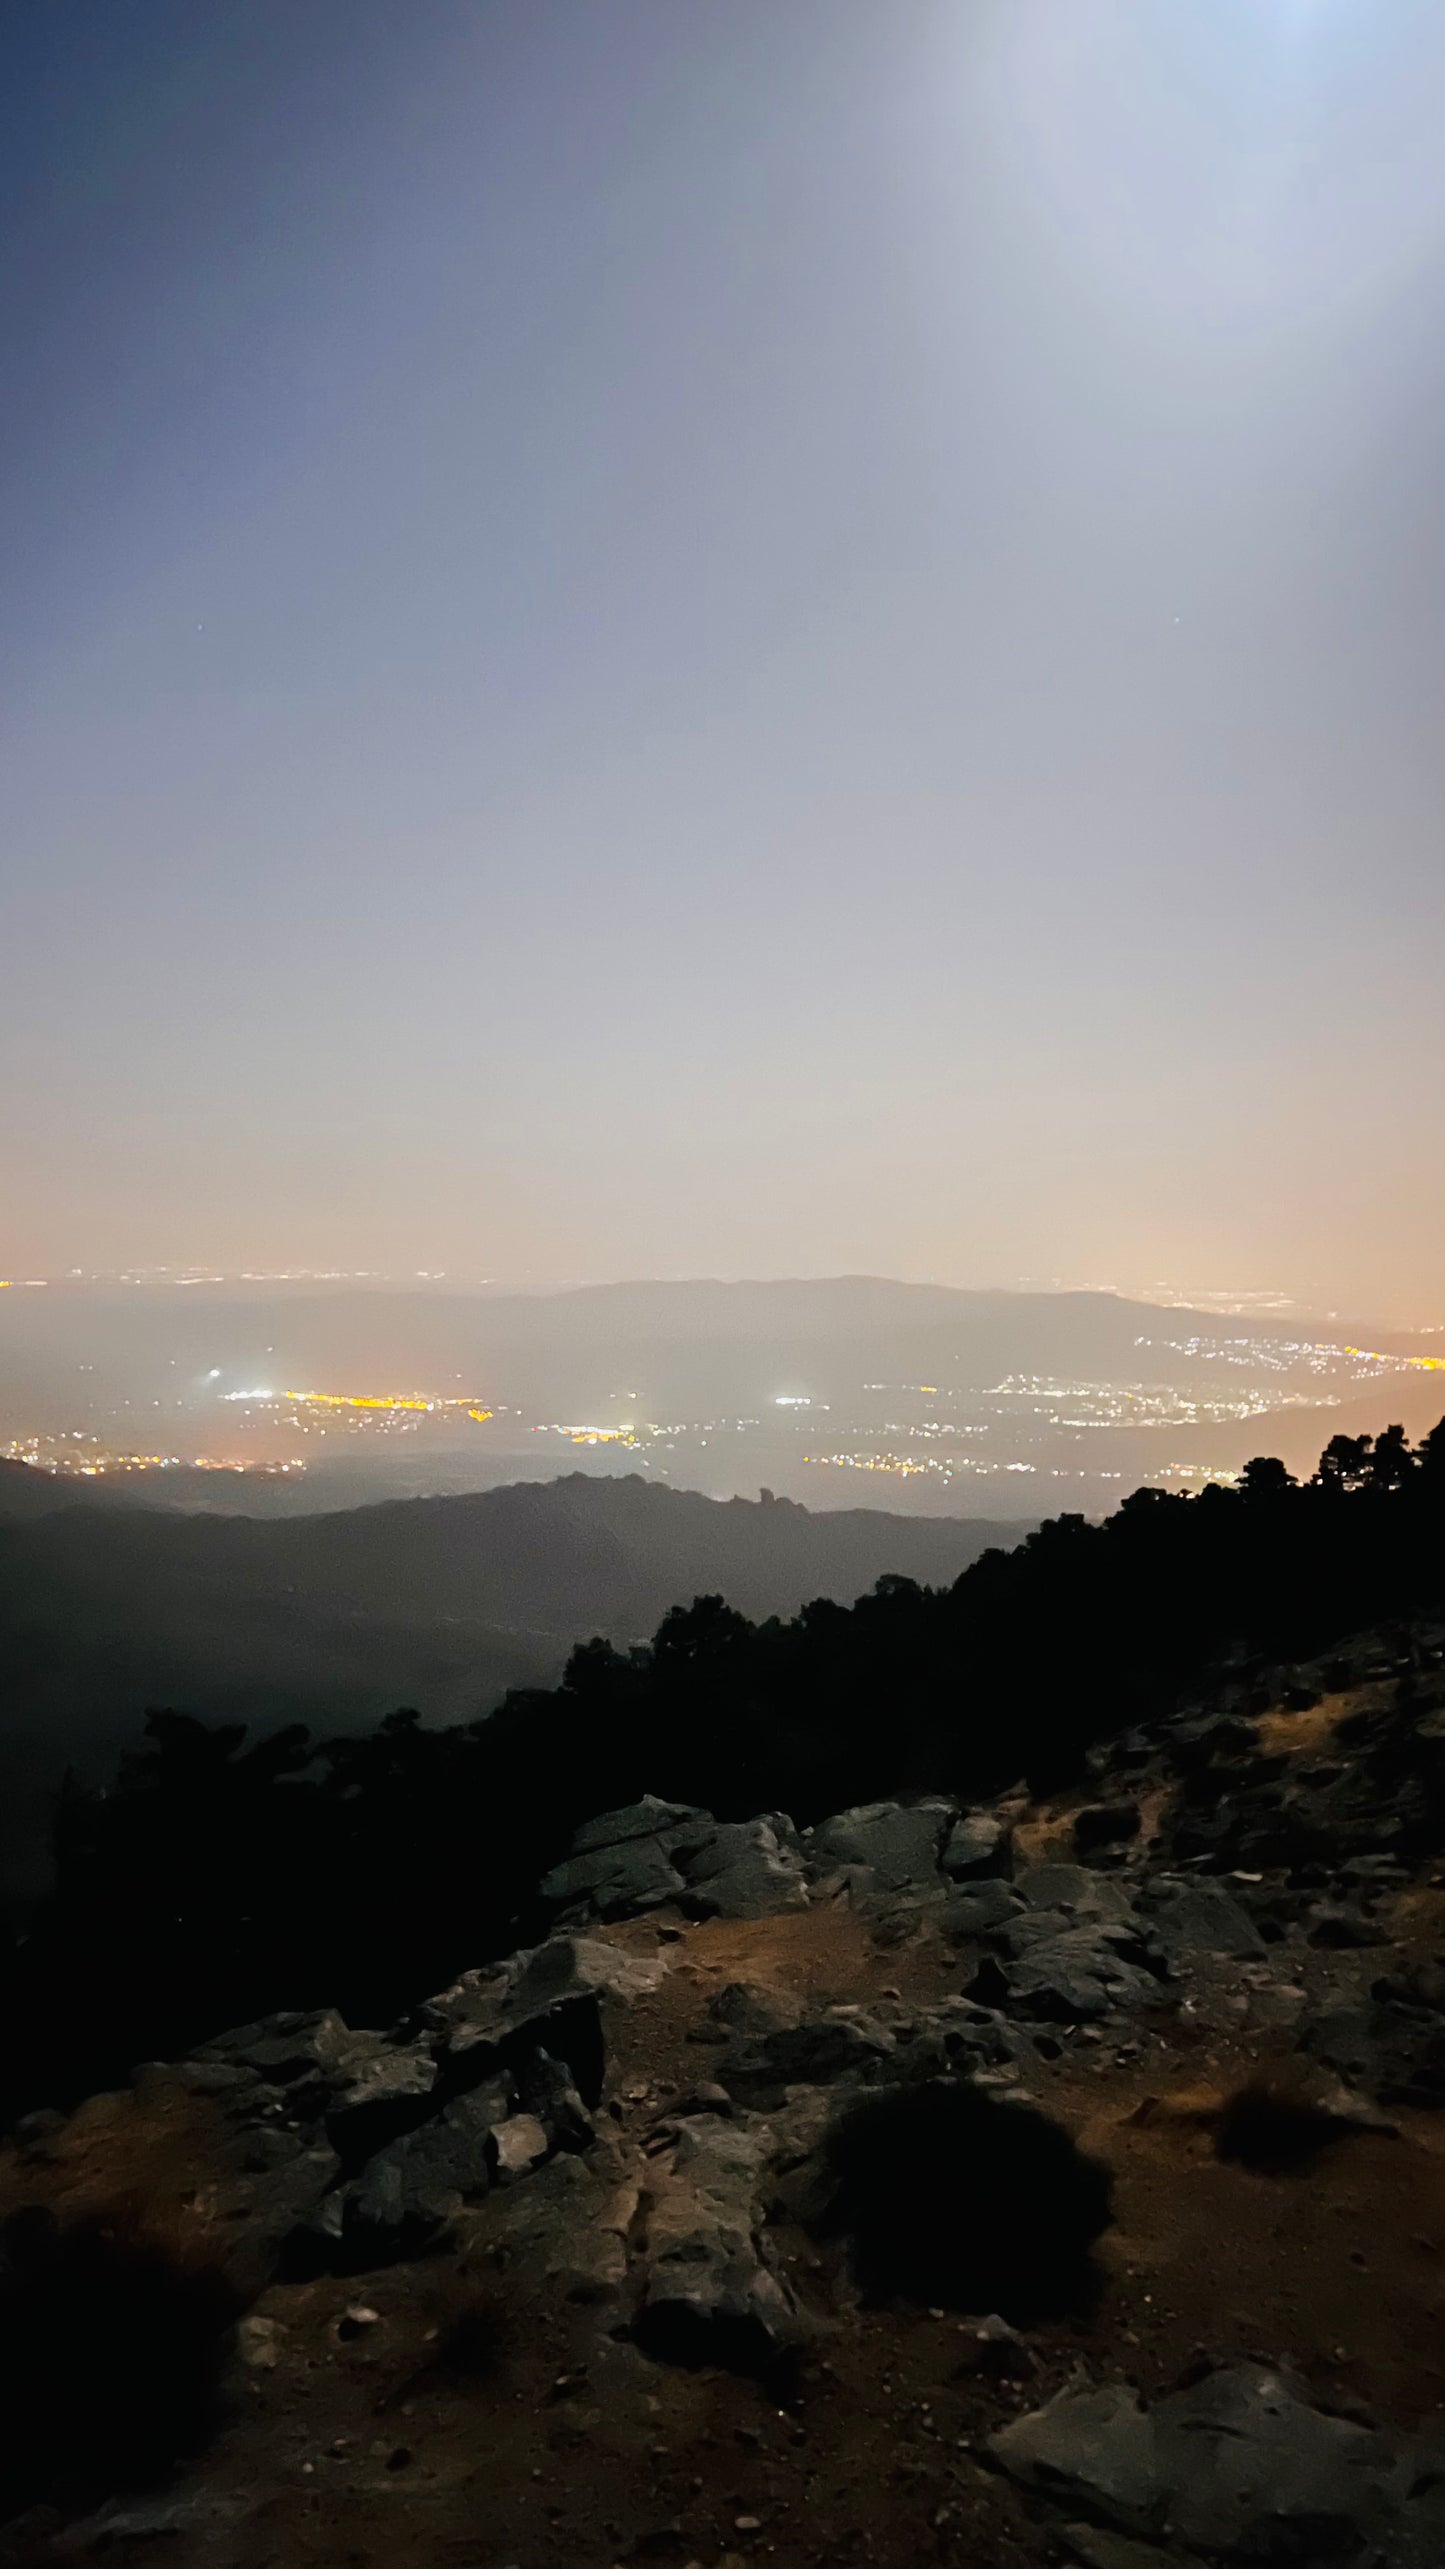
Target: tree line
(220, 1876)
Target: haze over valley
(840, 1393)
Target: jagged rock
(899, 1843)
(1238, 2465)
(840, 2046)
(568, 1967)
(546, 2090)
(648, 1818)
(977, 1846)
(622, 1861)
(958, 2038)
(709, 2297)
(979, 1909)
(616, 1881)
(1384, 2045)
(745, 2007)
(564, 2233)
(404, 2199)
(1076, 1948)
(747, 1869)
(656, 1852)
(226, 2081)
(548, 1997)
(1208, 1740)
(303, 2053)
(1201, 1917)
(281, 2207)
(382, 2097)
(1073, 1978)
(1077, 1890)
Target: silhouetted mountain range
(443, 1604)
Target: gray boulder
(709, 2296)
(1239, 2465)
(743, 2007)
(978, 1910)
(282, 2204)
(304, 2053)
(1200, 1917)
(616, 1881)
(746, 1869)
(1072, 1978)
(901, 1844)
(381, 2096)
(840, 2046)
(654, 1853)
(649, 1818)
(550, 1997)
(405, 2198)
(1077, 1891)
(622, 1862)
(977, 1846)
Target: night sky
(735, 636)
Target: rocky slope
(710, 2229)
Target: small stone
(518, 2145)
(259, 2341)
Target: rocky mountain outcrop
(1221, 1950)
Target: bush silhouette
(949, 2196)
(1276, 2130)
(112, 2353)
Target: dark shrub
(950, 2196)
(112, 2352)
(1274, 2130)
(1105, 1824)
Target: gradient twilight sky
(749, 636)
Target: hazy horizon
(803, 638)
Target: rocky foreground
(561, 2269)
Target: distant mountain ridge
(108, 1611)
